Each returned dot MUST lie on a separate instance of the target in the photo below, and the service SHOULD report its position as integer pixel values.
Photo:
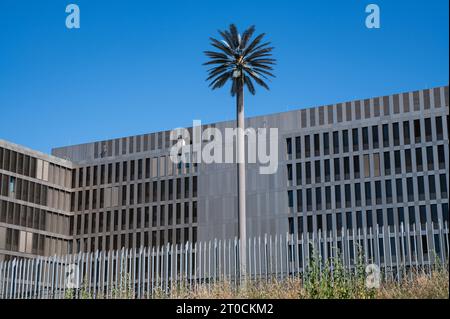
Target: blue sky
(135, 66)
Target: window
(445, 213)
(408, 160)
(186, 213)
(347, 195)
(401, 217)
(388, 186)
(317, 171)
(355, 139)
(318, 198)
(432, 186)
(329, 220)
(327, 170)
(345, 140)
(162, 166)
(434, 215)
(335, 143)
(421, 187)
(170, 182)
(316, 145)
(369, 219)
(396, 133)
(346, 168)
(441, 156)
(80, 177)
(378, 192)
(298, 148)
(289, 148)
(102, 174)
(375, 139)
(12, 186)
(411, 216)
(307, 146)
(399, 189)
(309, 224)
(356, 166)
(339, 222)
(365, 138)
(390, 219)
(290, 199)
(337, 171)
(291, 225)
(443, 185)
(319, 223)
(194, 186)
(359, 220)
(417, 131)
(430, 159)
(124, 171)
(162, 216)
(299, 201)
(178, 213)
(308, 172)
(337, 193)
(140, 169)
(326, 143)
(397, 160)
(385, 135)
(289, 177)
(95, 176)
(419, 163)
(366, 165)
(348, 220)
(300, 226)
(186, 187)
(406, 135)
(368, 195)
(308, 199)
(439, 129)
(410, 189)
(376, 164)
(298, 171)
(428, 134)
(328, 197)
(380, 221)
(387, 163)
(423, 215)
(358, 194)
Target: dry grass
(420, 286)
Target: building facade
(378, 162)
(35, 216)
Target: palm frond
(227, 37)
(217, 61)
(250, 85)
(240, 59)
(216, 55)
(221, 46)
(246, 36)
(220, 81)
(253, 44)
(260, 53)
(235, 37)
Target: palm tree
(240, 60)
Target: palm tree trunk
(241, 181)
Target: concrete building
(35, 216)
(376, 162)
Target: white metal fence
(147, 272)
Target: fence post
(446, 239)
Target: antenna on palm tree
(240, 60)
